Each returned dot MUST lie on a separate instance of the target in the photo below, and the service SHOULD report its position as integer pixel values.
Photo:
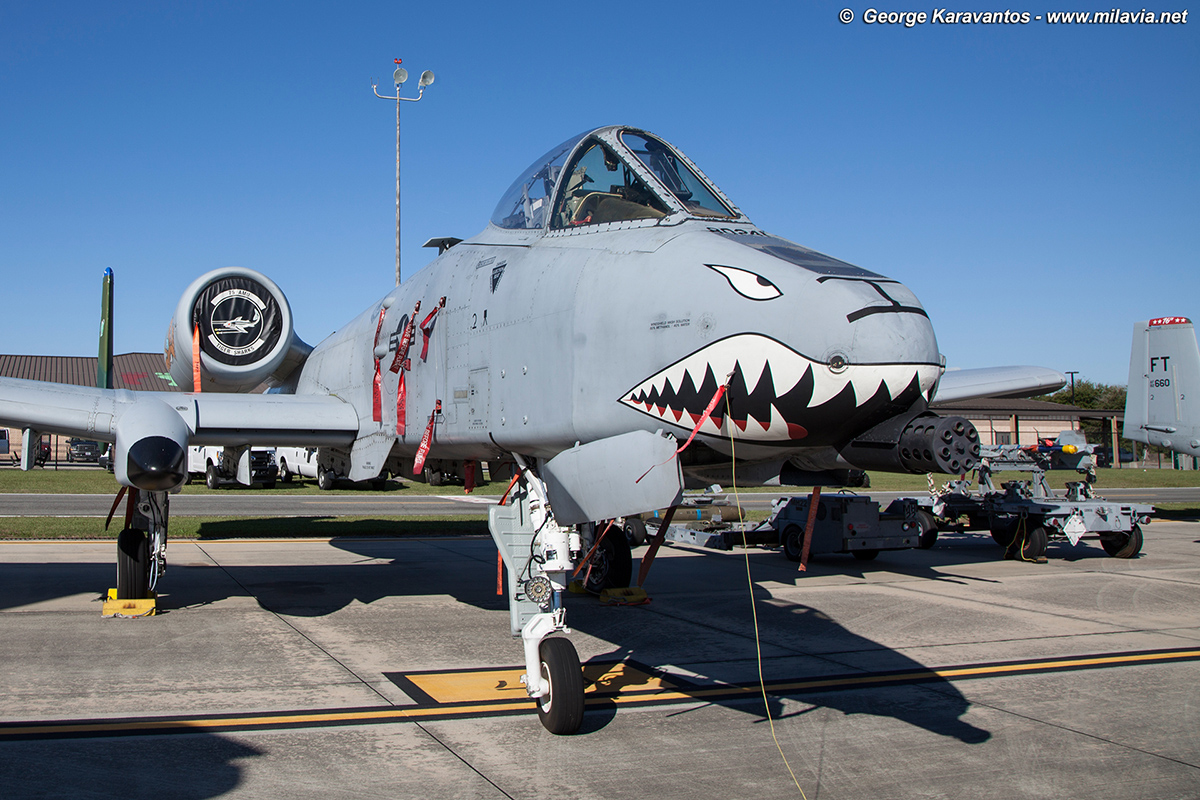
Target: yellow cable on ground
(762, 684)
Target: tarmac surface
(383, 668)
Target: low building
(1024, 422)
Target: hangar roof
(1003, 408)
(137, 371)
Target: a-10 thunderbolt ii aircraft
(1162, 403)
(617, 301)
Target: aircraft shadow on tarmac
(795, 638)
(713, 641)
(193, 767)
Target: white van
(296, 462)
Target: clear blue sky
(1037, 186)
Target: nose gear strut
(540, 556)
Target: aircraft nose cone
(156, 464)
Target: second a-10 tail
(1162, 403)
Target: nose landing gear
(539, 556)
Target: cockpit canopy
(610, 175)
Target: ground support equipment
(1024, 515)
(129, 609)
(844, 523)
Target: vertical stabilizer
(104, 364)
(1162, 405)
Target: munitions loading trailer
(844, 523)
(1023, 515)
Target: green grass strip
(250, 527)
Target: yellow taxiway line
(497, 691)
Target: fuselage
(554, 339)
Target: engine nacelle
(243, 324)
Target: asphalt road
(384, 668)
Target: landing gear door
(614, 477)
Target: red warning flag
(426, 441)
(377, 396)
(379, 325)
(427, 327)
(401, 407)
(196, 359)
(406, 338)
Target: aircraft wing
(968, 384)
(210, 418)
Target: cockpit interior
(613, 175)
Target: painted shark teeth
(772, 387)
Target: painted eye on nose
(748, 284)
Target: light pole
(1072, 373)
(398, 78)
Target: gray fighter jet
(617, 304)
(1162, 403)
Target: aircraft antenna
(398, 78)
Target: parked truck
(244, 465)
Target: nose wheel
(561, 708)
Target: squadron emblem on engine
(235, 318)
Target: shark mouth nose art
(777, 395)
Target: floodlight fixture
(398, 78)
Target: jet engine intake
(243, 324)
(924, 443)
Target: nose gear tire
(561, 710)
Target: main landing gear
(540, 557)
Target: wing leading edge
(215, 419)
(969, 384)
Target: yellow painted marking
(622, 679)
(399, 714)
(465, 687)
(491, 685)
(996, 669)
(607, 683)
